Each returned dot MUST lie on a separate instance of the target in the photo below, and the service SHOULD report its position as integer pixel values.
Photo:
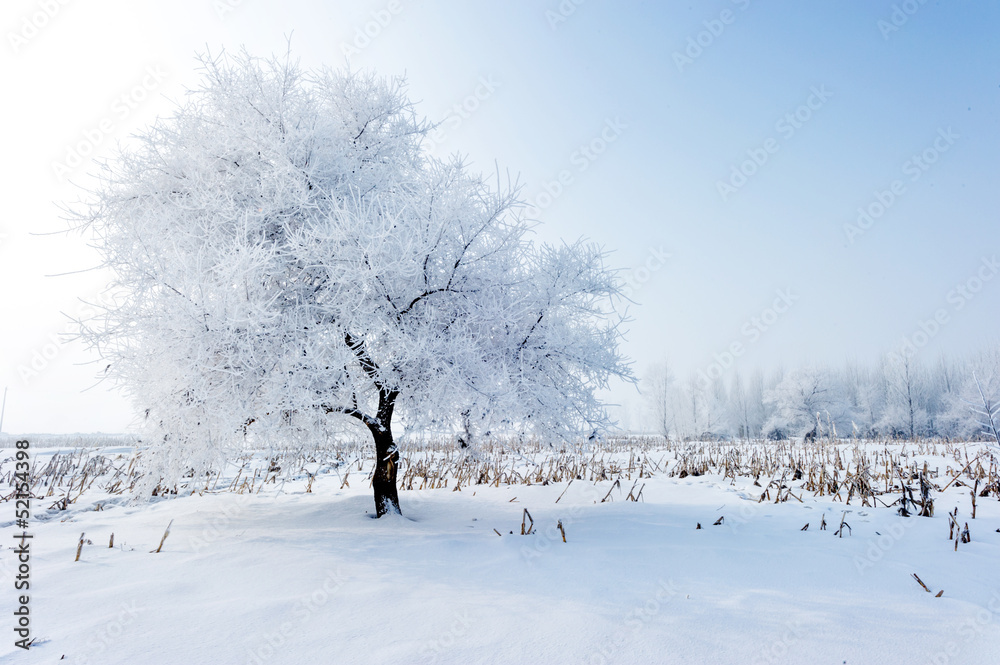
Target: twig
(921, 582)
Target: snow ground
(296, 577)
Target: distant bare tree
(660, 382)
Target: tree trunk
(384, 478)
(386, 457)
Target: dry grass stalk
(921, 582)
(957, 475)
(164, 539)
(79, 547)
(111, 541)
(530, 523)
(613, 486)
(561, 530)
(564, 491)
(840, 530)
(844, 470)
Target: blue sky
(640, 126)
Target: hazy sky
(812, 181)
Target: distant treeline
(900, 396)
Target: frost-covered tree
(802, 398)
(287, 253)
(969, 409)
(987, 412)
(739, 408)
(865, 396)
(895, 396)
(905, 413)
(659, 393)
(755, 401)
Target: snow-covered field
(282, 575)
